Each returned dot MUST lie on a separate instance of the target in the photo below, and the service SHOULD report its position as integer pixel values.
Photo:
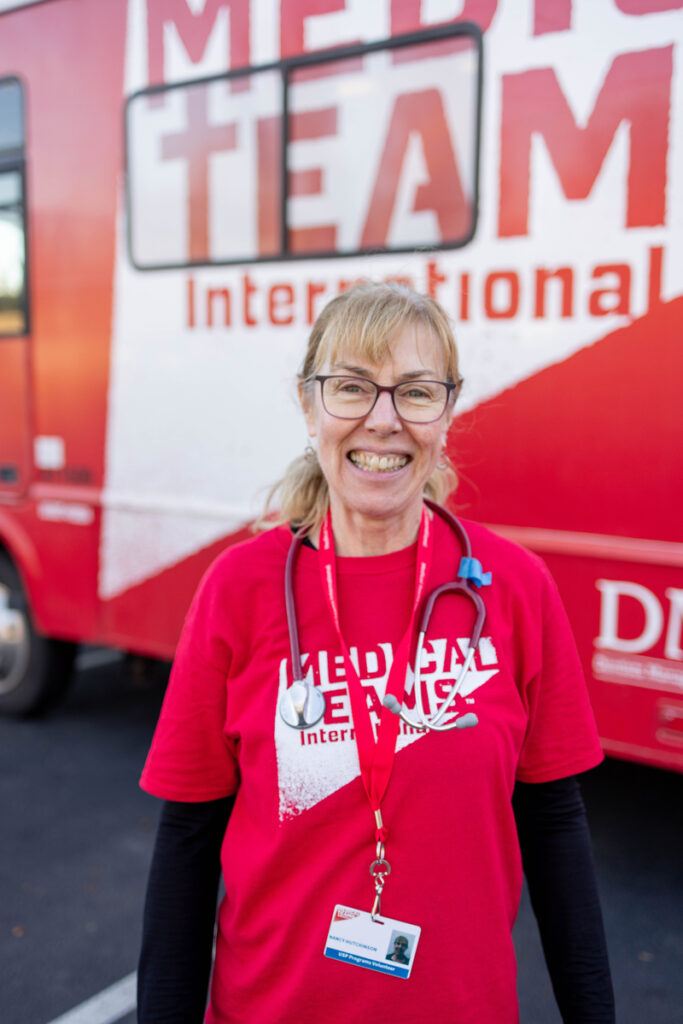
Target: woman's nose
(383, 416)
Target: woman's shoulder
(503, 557)
(261, 550)
(249, 561)
(240, 578)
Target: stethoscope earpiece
(466, 721)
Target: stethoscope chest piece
(302, 705)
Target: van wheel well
(35, 670)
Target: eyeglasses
(415, 401)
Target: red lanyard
(376, 758)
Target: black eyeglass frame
(451, 386)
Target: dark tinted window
(11, 115)
(13, 311)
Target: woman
(350, 785)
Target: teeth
(372, 463)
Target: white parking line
(96, 658)
(106, 1007)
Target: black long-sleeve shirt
(180, 909)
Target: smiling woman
(290, 713)
(378, 387)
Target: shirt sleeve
(561, 737)
(191, 759)
(180, 912)
(558, 864)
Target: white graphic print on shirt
(313, 763)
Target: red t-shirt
(300, 837)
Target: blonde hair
(361, 320)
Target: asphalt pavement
(77, 836)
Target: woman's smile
(376, 462)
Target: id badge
(383, 945)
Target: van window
(13, 305)
(370, 148)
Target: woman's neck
(357, 535)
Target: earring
(444, 461)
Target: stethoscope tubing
(290, 604)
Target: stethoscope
(303, 704)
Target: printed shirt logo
(313, 763)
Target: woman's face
(348, 449)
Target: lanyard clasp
(380, 869)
